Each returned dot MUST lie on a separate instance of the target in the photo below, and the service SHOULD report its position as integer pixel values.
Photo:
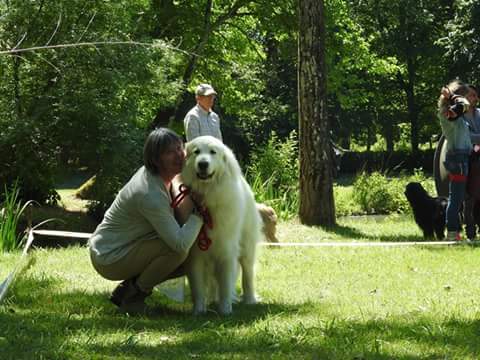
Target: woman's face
(171, 161)
(472, 97)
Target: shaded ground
(70, 214)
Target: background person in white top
(201, 119)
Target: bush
(121, 157)
(378, 194)
(273, 174)
(345, 204)
(353, 162)
(29, 158)
(277, 161)
(10, 211)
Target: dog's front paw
(250, 299)
(199, 309)
(225, 308)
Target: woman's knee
(180, 257)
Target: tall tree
(408, 31)
(317, 205)
(208, 19)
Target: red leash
(204, 241)
(184, 191)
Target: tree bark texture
(317, 205)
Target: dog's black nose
(203, 165)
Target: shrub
(378, 194)
(28, 156)
(345, 204)
(277, 161)
(10, 211)
(273, 174)
(121, 157)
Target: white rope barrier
(363, 244)
(82, 235)
(8, 281)
(79, 235)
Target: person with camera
(452, 106)
(472, 116)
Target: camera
(458, 105)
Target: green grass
(317, 303)
(10, 213)
(356, 228)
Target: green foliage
(285, 202)
(27, 153)
(378, 194)
(345, 204)
(122, 155)
(460, 43)
(10, 211)
(277, 160)
(61, 107)
(273, 173)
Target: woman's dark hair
(158, 141)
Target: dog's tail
(269, 222)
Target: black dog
(429, 212)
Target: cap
(205, 90)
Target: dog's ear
(231, 163)
(187, 174)
(188, 149)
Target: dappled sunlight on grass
(353, 228)
(324, 303)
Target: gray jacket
(199, 122)
(141, 211)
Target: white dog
(212, 171)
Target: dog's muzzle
(203, 170)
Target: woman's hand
(196, 198)
(446, 93)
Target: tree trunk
(317, 205)
(16, 84)
(409, 85)
(412, 108)
(389, 133)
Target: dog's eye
(196, 151)
(213, 152)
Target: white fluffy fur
(212, 170)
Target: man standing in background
(201, 119)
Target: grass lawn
(317, 303)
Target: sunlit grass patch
(317, 303)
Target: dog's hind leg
(248, 278)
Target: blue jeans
(456, 191)
(456, 194)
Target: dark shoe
(129, 297)
(119, 292)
